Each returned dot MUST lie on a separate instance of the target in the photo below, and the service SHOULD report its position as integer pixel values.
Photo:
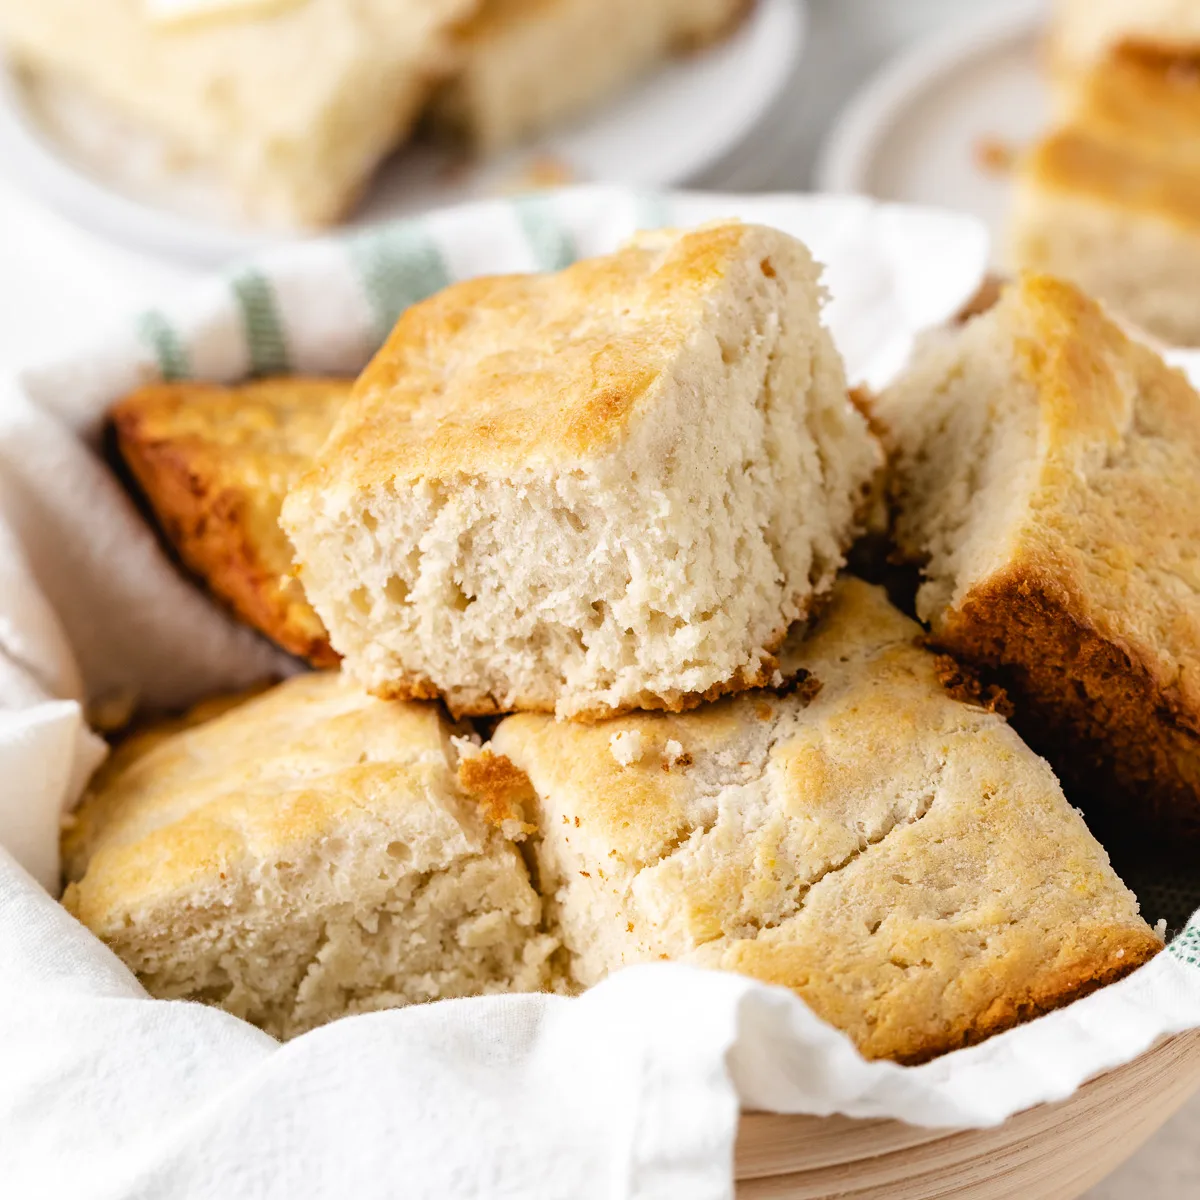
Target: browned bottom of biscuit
(421, 688)
(1126, 751)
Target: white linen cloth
(632, 1090)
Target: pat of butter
(188, 12)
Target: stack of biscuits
(594, 687)
(1111, 197)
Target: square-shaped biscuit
(1047, 477)
(1110, 200)
(528, 64)
(291, 106)
(610, 488)
(894, 854)
(302, 855)
(214, 464)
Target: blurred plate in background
(663, 131)
(933, 127)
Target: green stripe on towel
(1186, 947)
(161, 338)
(397, 267)
(651, 211)
(551, 243)
(265, 340)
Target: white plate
(913, 133)
(663, 132)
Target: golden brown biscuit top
(216, 463)
(880, 788)
(641, 810)
(257, 432)
(1072, 161)
(526, 370)
(280, 770)
(1146, 100)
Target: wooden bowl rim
(1116, 1110)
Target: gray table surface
(848, 40)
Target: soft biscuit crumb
(1160, 927)
(1039, 457)
(674, 756)
(523, 567)
(804, 852)
(626, 747)
(365, 880)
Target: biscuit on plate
(526, 65)
(1046, 474)
(1110, 200)
(894, 854)
(610, 488)
(290, 106)
(214, 464)
(306, 854)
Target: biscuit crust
(1045, 479)
(304, 854)
(1091, 705)
(609, 488)
(894, 854)
(462, 705)
(214, 464)
(503, 373)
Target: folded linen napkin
(632, 1090)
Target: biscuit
(527, 65)
(1084, 32)
(214, 464)
(897, 857)
(1110, 200)
(291, 108)
(307, 854)
(1045, 474)
(610, 488)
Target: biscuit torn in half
(611, 488)
(1046, 476)
(303, 855)
(896, 856)
(214, 464)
